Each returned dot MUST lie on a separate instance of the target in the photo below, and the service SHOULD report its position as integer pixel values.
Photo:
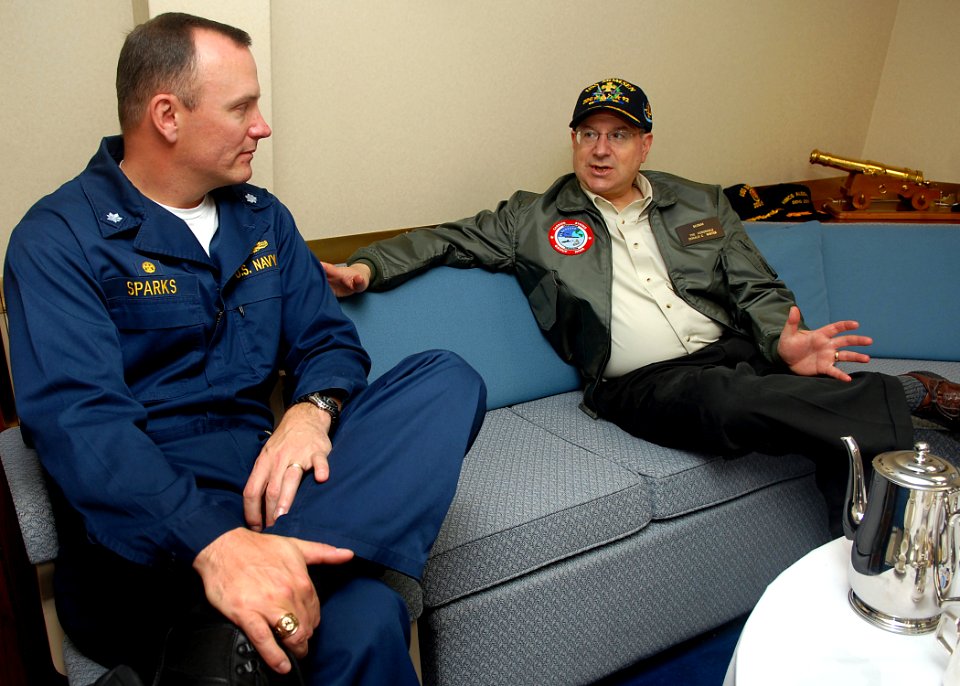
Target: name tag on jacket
(701, 230)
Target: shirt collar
(640, 183)
(121, 208)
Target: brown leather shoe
(942, 404)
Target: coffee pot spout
(855, 503)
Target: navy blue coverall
(143, 369)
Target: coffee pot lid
(918, 469)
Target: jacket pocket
(543, 300)
(162, 340)
(254, 313)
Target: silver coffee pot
(904, 554)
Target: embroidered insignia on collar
(250, 198)
(259, 246)
(114, 217)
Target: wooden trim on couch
(338, 248)
(8, 408)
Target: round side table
(803, 631)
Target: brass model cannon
(868, 181)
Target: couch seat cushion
(528, 498)
(678, 481)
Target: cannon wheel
(860, 200)
(921, 200)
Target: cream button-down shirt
(650, 322)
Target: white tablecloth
(803, 631)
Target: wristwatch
(325, 403)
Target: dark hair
(159, 56)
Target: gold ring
(286, 626)
(295, 464)
(836, 356)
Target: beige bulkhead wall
(394, 114)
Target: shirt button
(669, 306)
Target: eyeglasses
(617, 138)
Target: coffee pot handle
(946, 566)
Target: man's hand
(809, 353)
(254, 579)
(300, 443)
(347, 280)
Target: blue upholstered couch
(573, 549)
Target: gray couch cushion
(81, 670)
(589, 615)
(678, 481)
(30, 497)
(527, 498)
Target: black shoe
(942, 404)
(208, 650)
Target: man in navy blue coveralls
(153, 302)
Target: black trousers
(728, 399)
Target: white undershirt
(649, 321)
(202, 220)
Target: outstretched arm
(812, 353)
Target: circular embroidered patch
(570, 237)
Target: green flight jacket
(557, 245)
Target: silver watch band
(325, 403)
